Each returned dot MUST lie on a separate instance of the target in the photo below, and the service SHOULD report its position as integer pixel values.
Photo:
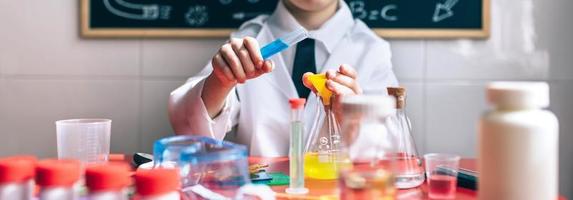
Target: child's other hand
(342, 82)
(238, 61)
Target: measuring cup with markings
(87, 140)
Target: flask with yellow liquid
(323, 156)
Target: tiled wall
(47, 72)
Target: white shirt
(259, 108)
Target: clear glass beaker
(369, 145)
(409, 170)
(442, 172)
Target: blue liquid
(273, 48)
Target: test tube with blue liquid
(284, 42)
(296, 158)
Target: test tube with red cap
(296, 149)
(57, 179)
(157, 184)
(108, 181)
(17, 177)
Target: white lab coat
(259, 109)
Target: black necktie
(304, 61)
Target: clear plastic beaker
(201, 160)
(442, 172)
(87, 140)
(368, 144)
(409, 170)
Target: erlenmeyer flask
(322, 152)
(409, 171)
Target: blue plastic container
(201, 160)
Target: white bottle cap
(518, 94)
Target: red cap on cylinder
(296, 103)
(53, 173)
(156, 181)
(107, 177)
(17, 168)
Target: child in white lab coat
(240, 89)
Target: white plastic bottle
(58, 179)
(108, 181)
(17, 177)
(518, 148)
(157, 184)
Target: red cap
(17, 168)
(57, 173)
(107, 177)
(156, 181)
(296, 103)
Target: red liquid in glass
(442, 186)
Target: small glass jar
(369, 146)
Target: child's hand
(238, 61)
(341, 82)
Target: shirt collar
(330, 33)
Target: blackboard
(218, 18)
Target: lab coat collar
(329, 34)
(337, 57)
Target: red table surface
(320, 188)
